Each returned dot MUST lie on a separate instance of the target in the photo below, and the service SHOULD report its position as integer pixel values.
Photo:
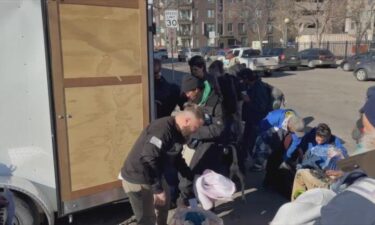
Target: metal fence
(339, 49)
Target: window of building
(211, 1)
(241, 28)
(197, 30)
(185, 14)
(312, 25)
(220, 29)
(230, 27)
(211, 13)
(210, 27)
(244, 41)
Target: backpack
(229, 94)
(277, 97)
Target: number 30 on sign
(171, 18)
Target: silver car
(317, 57)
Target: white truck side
(254, 61)
(74, 93)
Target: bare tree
(322, 14)
(255, 15)
(286, 9)
(361, 13)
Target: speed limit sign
(171, 18)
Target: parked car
(186, 54)
(317, 57)
(288, 57)
(209, 51)
(350, 63)
(255, 61)
(161, 53)
(365, 70)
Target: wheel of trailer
(311, 64)
(293, 68)
(346, 67)
(23, 213)
(361, 75)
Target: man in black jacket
(142, 172)
(167, 95)
(206, 140)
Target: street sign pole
(171, 23)
(171, 43)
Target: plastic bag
(192, 216)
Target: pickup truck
(253, 60)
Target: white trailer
(74, 94)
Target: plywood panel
(100, 41)
(105, 123)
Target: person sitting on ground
(350, 203)
(356, 203)
(321, 150)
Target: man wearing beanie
(207, 154)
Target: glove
(207, 119)
(193, 143)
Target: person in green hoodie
(208, 154)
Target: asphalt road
(321, 95)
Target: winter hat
(190, 83)
(212, 186)
(369, 110)
(296, 125)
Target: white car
(187, 53)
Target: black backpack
(277, 97)
(229, 93)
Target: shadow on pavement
(279, 74)
(260, 207)
(103, 215)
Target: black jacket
(167, 96)
(205, 141)
(159, 141)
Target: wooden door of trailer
(99, 65)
